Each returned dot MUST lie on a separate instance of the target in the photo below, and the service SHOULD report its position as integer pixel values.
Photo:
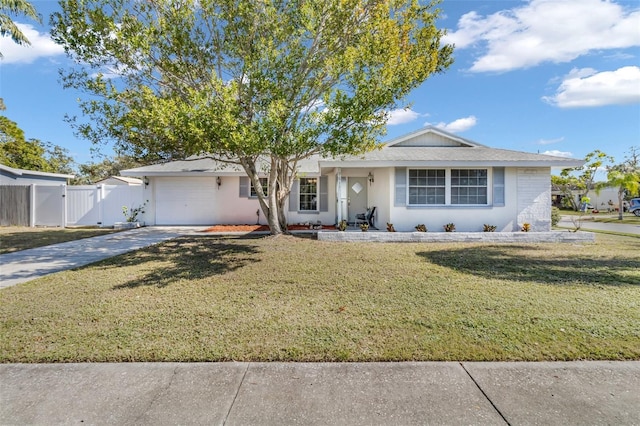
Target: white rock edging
(443, 237)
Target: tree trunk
(620, 205)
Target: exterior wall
(472, 218)
(229, 207)
(534, 195)
(325, 217)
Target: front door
(357, 197)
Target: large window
(447, 187)
(264, 184)
(469, 186)
(308, 194)
(427, 187)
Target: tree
(8, 27)
(625, 177)
(93, 172)
(626, 180)
(31, 154)
(262, 84)
(584, 181)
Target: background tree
(626, 180)
(31, 154)
(581, 178)
(261, 84)
(625, 177)
(92, 172)
(8, 27)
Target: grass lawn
(298, 299)
(16, 238)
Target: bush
(555, 216)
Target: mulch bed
(259, 228)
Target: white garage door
(185, 201)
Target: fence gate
(49, 205)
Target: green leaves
(240, 79)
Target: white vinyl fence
(62, 205)
(101, 205)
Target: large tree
(32, 154)
(262, 84)
(10, 8)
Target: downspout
(338, 195)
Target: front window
(263, 183)
(308, 194)
(427, 186)
(469, 186)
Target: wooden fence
(15, 205)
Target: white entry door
(357, 197)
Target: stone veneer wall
(433, 237)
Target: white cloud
(545, 31)
(401, 116)
(557, 153)
(456, 126)
(550, 141)
(588, 88)
(41, 47)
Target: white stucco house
(429, 177)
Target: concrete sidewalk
(562, 393)
(26, 265)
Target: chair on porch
(366, 217)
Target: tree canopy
(248, 82)
(31, 154)
(8, 27)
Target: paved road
(26, 265)
(411, 393)
(589, 225)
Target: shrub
(342, 226)
(421, 228)
(364, 227)
(555, 216)
(526, 227)
(449, 227)
(489, 228)
(390, 227)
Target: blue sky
(549, 76)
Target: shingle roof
(430, 156)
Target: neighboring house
(119, 180)
(427, 177)
(11, 176)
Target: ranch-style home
(429, 177)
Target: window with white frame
(447, 187)
(263, 183)
(468, 186)
(427, 186)
(308, 194)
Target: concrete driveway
(26, 265)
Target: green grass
(14, 238)
(298, 299)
